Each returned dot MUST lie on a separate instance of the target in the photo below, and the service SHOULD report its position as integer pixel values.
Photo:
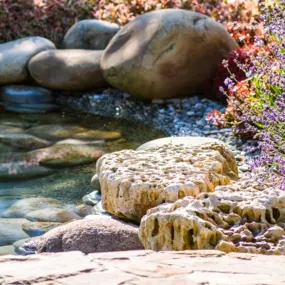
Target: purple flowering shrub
(256, 105)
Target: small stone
(34, 229)
(92, 198)
(95, 183)
(83, 210)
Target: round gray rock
(90, 34)
(191, 141)
(166, 53)
(68, 69)
(98, 235)
(15, 56)
(22, 94)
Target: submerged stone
(30, 108)
(55, 215)
(11, 231)
(62, 131)
(26, 96)
(22, 170)
(34, 229)
(25, 206)
(7, 250)
(64, 155)
(23, 141)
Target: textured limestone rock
(190, 141)
(68, 69)
(134, 181)
(166, 53)
(144, 268)
(90, 34)
(15, 56)
(97, 235)
(229, 220)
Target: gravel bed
(177, 117)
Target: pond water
(46, 165)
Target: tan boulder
(166, 53)
(15, 56)
(134, 181)
(68, 69)
(98, 235)
(90, 34)
(229, 220)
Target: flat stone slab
(143, 267)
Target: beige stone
(23, 141)
(134, 181)
(52, 215)
(15, 56)
(66, 131)
(90, 34)
(62, 155)
(166, 53)
(240, 221)
(68, 69)
(144, 268)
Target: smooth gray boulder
(68, 69)
(15, 56)
(165, 54)
(90, 34)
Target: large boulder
(15, 56)
(98, 235)
(134, 181)
(166, 53)
(68, 69)
(231, 219)
(90, 34)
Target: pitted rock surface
(229, 220)
(134, 181)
